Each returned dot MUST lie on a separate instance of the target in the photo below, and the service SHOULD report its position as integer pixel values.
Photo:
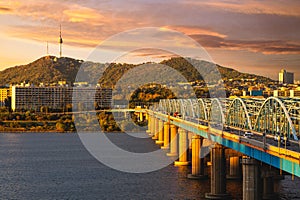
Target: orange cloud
(83, 14)
(194, 30)
(274, 7)
(51, 34)
(86, 26)
(274, 47)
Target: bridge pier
(190, 136)
(268, 176)
(174, 142)
(251, 179)
(152, 130)
(166, 135)
(218, 174)
(197, 161)
(183, 147)
(141, 117)
(234, 168)
(160, 140)
(156, 128)
(149, 124)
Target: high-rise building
(33, 98)
(4, 94)
(286, 77)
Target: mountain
(50, 69)
(47, 69)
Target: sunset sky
(255, 36)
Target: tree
(7, 103)
(60, 127)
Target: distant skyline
(254, 36)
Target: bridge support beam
(174, 142)
(218, 174)
(156, 128)
(251, 179)
(183, 147)
(160, 140)
(166, 135)
(234, 168)
(197, 161)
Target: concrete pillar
(218, 174)
(153, 121)
(156, 128)
(268, 184)
(166, 135)
(251, 179)
(152, 125)
(149, 124)
(174, 142)
(141, 116)
(268, 189)
(190, 136)
(160, 140)
(234, 168)
(197, 161)
(183, 147)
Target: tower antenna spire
(47, 48)
(60, 42)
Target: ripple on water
(57, 166)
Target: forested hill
(50, 69)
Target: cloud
(270, 7)
(266, 47)
(4, 9)
(195, 30)
(79, 14)
(224, 24)
(51, 34)
(154, 53)
(82, 26)
(261, 46)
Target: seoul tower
(60, 43)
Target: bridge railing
(275, 116)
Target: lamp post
(264, 138)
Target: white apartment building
(57, 97)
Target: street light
(264, 138)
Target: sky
(254, 36)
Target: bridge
(261, 134)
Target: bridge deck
(282, 158)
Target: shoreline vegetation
(66, 121)
(37, 122)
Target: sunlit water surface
(57, 166)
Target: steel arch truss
(293, 106)
(273, 118)
(216, 113)
(200, 108)
(237, 115)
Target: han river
(57, 166)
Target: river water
(57, 166)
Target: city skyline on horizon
(258, 37)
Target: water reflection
(57, 166)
